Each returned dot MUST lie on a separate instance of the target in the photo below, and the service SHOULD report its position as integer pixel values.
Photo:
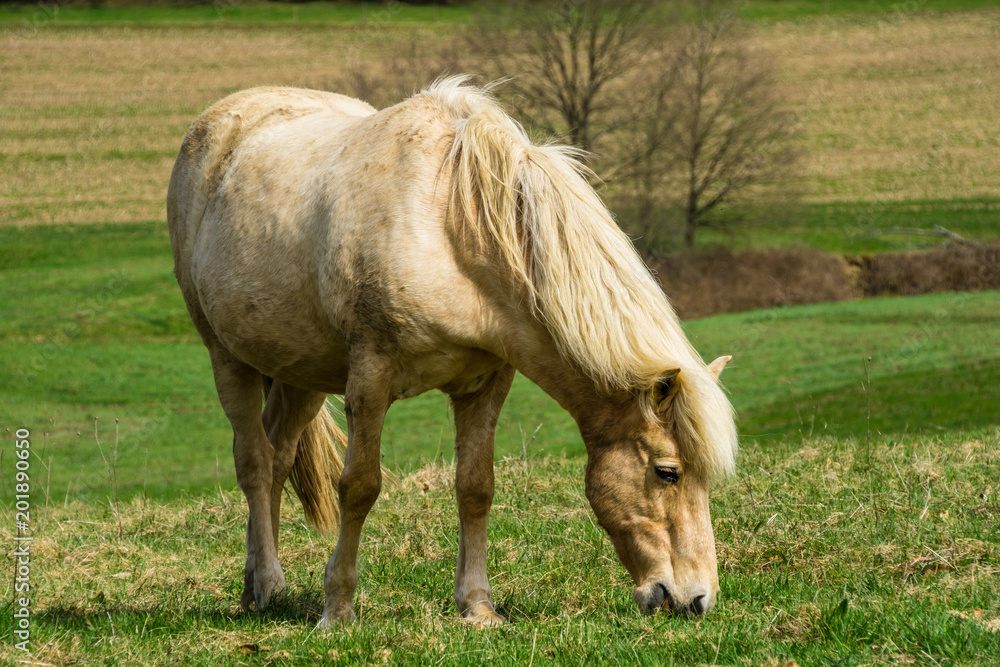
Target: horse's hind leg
(287, 413)
(475, 425)
(239, 388)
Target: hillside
(92, 325)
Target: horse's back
(217, 133)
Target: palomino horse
(326, 248)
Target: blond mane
(579, 271)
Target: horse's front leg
(476, 417)
(367, 399)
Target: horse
(323, 247)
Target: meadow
(99, 353)
(861, 528)
(830, 552)
(895, 110)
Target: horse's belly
(290, 351)
(320, 362)
(454, 370)
(320, 369)
(272, 320)
(287, 331)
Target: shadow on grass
(302, 608)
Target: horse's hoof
(483, 615)
(246, 599)
(260, 586)
(343, 616)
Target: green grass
(379, 14)
(237, 13)
(828, 555)
(92, 325)
(853, 227)
(837, 227)
(934, 365)
(834, 547)
(792, 9)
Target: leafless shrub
(724, 280)
(956, 267)
(563, 62)
(721, 129)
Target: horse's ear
(665, 388)
(716, 366)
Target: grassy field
(861, 528)
(237, 13)
(858, 227)
(340, 13)
(896, 109)
(828, 555)
(92, 325)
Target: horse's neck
(533, 353)
(518, 337)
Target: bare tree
(398, 72)
(678, 113)
(722, 130)
(561, 60)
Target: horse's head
(651, 496)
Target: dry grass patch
(896, 108)
(96, 116)
(893, 108)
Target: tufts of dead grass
(797, 625)
(797, 531)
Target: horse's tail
(316, 471)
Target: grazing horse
(323, 247)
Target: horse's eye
(668, 475)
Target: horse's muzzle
(656, 595)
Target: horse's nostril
(698, 605)
(666, 597)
